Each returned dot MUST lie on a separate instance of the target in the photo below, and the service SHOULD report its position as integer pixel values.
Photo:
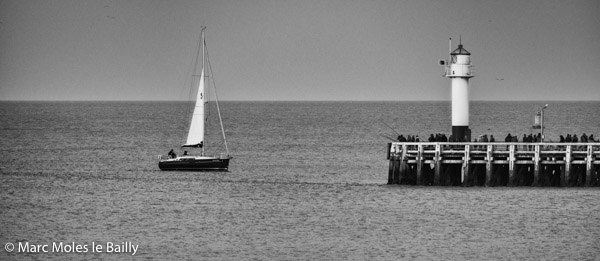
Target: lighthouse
(459, 70)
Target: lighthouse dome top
(460, 51)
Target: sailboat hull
(195, 164)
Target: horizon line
(235, 100)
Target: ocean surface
(307, 182)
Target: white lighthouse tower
(459, 69)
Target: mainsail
(196, 134)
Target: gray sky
(298, 50)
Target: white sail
(196, 132)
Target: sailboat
(196, 133)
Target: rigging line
(217, 103)
(391, 128)
(188, 77)
(387, 137)
(214, 151)
(186, 81)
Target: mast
(201, 89)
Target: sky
(380, 50)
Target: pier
(494, 164)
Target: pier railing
(494, 163)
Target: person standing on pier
(484, 138)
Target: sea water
(307, 182)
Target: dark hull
(195, 164)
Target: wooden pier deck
(494, 164)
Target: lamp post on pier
(542, 122)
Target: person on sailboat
(172, 154)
